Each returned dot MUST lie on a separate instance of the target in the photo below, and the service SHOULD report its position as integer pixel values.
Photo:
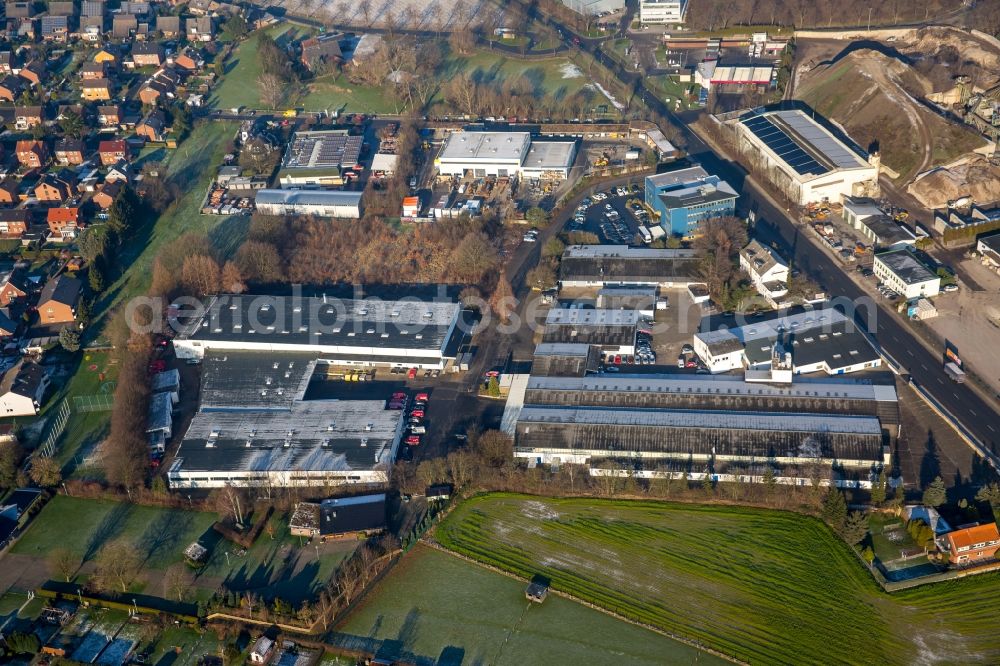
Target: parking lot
(610, 216)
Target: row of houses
(92, 20)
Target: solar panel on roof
(784, 146)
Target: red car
(412, 374)
(412, 440)
(691, 364)
(399, 395)
(618, 359)
(417, 414)
(421, 397)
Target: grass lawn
(183, 646)
(280, 567)
(762, 586)
(666, 86)
(435, 608)
(192, 166)
(550, 76)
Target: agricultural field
(437, 609)
(279, 567)
(762, 586)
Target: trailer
(955, 373)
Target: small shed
(440, 492)
(536, 591)
(262, 650)
(196, 554)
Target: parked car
(417, 414)
(418, 429)
(681, 361)
(412, 440)
(691, 364)
(687, 349)
(412, 374)
(950, 287)
(421, 397)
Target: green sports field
(762, 586)
(435, 608)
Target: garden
(759, 585)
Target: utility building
(504, 154)
(804, 159)
(905, 274)
(319, 159)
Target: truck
(646, 236)
(955, 373)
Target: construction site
(927, 99)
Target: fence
(55, 431)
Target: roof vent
(369, 427)
(330, 427)
(325, 443)
(364, 441)
(275, 366)
(267, 381)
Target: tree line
(721, 14)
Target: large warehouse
(682, 423)
(611, 330)
(254, 428)
(319, 159)
(609, 265)
(481, 154)
(818, 340)
(370, 332)
(321, 203)
(803, 159)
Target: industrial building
(368, 332)
(608, 265)
(643, 299)
(768, 272)
(320, 203)
(884, 232)
(613, 331)
(504, 154)
(901, 271)
(684, 198)
(319, 159)
(662, 12)
(255, 428)
(709, 74)
(572, 359)
(988, 248)
(685, 423)
(340, 517)
(818, 340)
(803, 159)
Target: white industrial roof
(308, 197)
(859, 389)
(772, 327)
(624, 251)
(694, 418)
(592, 317)
(678, 177)
(486, 146)
(562, 349)
(549, 155)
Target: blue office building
(686, 197)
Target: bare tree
(117, 566)
(64, 562)
(177, 580)
(272, 90)
(229, 503)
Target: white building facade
(660, 12)
(902, 272)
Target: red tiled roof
(973, 535)
(63, 214)
(116, 146)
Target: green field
(549, 76)
(437, 609)
(281, 567)
(762, 586)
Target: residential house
(53, 187)
(20, 9)
(13, 285)
(321, 50)
(91, 28)
(169, 26)
(147, 54)
(33, 72)
(94, 70)
(22, 28)
(31, 153)
(768, 272)
(55, 28)
(199, 29)
(9, 191)
(109, 116)
(22, 390)
(105, 197)
(152, 127)
(973, 545)
(113, 151)
(120, 172)
(63, 223)
(96, 90)
(92, 8)
(11, 87)
(190, 60)
(14, 223)
(7, 62)
(108, 54)
(8, 328)
(58, 301)
(262, 650)
(124, 26)
(140, 8)
(161, 84)
(26, 117)
(61, 8)
(69, 151)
